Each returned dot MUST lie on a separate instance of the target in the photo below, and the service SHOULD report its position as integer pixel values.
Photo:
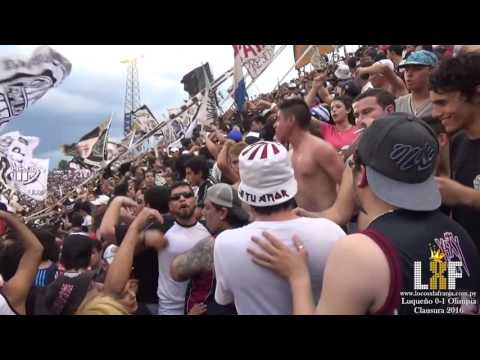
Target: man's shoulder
(233, 233)
(233, 237)
(321, 226)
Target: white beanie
(266, 176)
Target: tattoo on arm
(198, 259)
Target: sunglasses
(186, 195)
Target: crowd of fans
(317, 199)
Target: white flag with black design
(17, 147)
(16, 165)
(23, 82)
(143, 120)
(31, 178)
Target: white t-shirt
(5, 308)
(256, 290)
(171, 293)
(87, 221)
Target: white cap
(343, 72)
(266, 176)
(110, 253)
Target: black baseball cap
(352, 88)
(399, 152)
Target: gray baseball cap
(400, 153)
(226, 196)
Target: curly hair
(461, 74)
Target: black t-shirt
(465, 159)
(408, 240)
(145, 264)
(202, 192)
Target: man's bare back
(317, 170)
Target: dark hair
(232, 218)
(76, 219)
(97, 245)
(435, 124)
(347, 101)
(352, 63)
(299, 109)
(268, 210)
(198, 164)
(397, 49)
(11, 251)
(139, 168)
(379, 56)
(157, 198)
(259, 119)
(121, 189)
(51, 250)
(79, 256)
(461, 73)
(180, 164)
(177, 185)
(383, 97)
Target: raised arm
(112, 217)
(121, 267)
(197, 260)
(383, 69)
(17, 288)
(319, 89)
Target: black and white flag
(19, 170)
(92, 147)
(22, 82)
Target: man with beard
(181, 237)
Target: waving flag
(22, 83)
(256, 58)
(31, 179)
(195, 80)
(91, 148)
(143, 120)
(239, 89)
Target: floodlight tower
(132, 92)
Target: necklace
(380, 215)
(417, 110)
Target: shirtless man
(317, 166)
(369, 106)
